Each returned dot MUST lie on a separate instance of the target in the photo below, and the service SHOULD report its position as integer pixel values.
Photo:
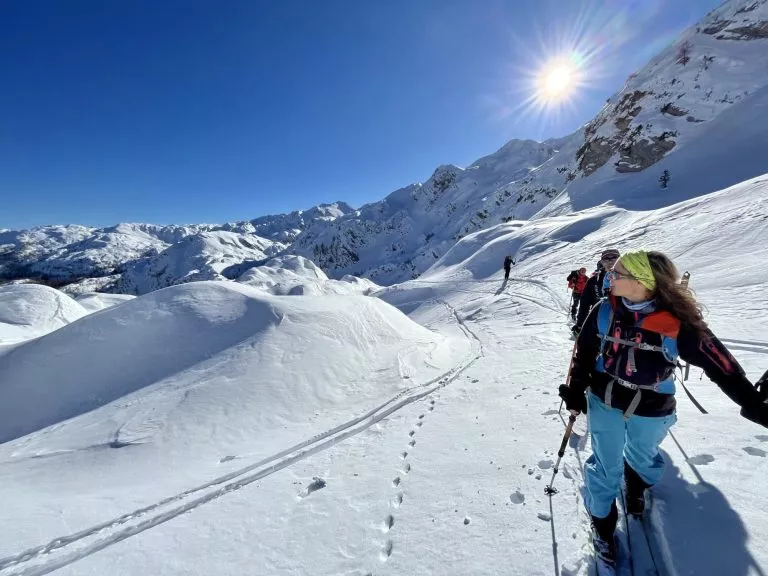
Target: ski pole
(568, 376)
(549, 490)
(695, 402)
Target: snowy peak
(691, 82)
(285, 227)
(740, 20)
(204, 256)
(402, 235)
(67, 254)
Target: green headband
(639, 266)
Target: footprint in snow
(546, 464)
(517, 497)
(386, 552)
(389, 521)
(549, 413)
(317, 484)
(762, 437)
(396, 482)
(406, 468)
(544, 516)
(754, 451)
(403, 455)
(701, 459)
(227, 459)
(412, 443)
(397, 500)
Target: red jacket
(580, 284)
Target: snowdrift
(230, 348)
(31, 310)
(95, 301)
(295, 276)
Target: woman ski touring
(626, 354)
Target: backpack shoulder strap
(664, 323)
(604, 321)
(661, 322)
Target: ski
(654, 545)
(646, 555)
(643, 563)
(623, 564)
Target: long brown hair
(673, 297)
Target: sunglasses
(614, 275)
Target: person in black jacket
(596, 287)
(623, 366)
(508, 262)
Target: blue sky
(184, 111)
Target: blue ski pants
(615, 439)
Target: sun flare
(557, 82)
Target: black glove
(758, 413)
(574, 400)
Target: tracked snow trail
(70, 548)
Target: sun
(556, 82)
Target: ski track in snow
(405, 467)
(91, 540)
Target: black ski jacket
(707, 353)
(591, 296)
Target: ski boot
(634, 491)
(603, 538)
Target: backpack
(660, 322)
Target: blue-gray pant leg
(604, 468)
(644, 435)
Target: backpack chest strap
(633, 344)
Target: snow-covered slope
(95, 301)
(86, 259)
(69, 253)
(285, 227)
(693, 116)
(352, 441)
(694, 110)
(201, 256)
(294, 275)
(402, 235)
(31, 310)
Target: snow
(691, 111)
(203, 256)
(95, 301)
(294, 275)
(696, 119)
(259, 409)
(31, 310)
(215, 428)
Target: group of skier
(634, 320)
(586, 291)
